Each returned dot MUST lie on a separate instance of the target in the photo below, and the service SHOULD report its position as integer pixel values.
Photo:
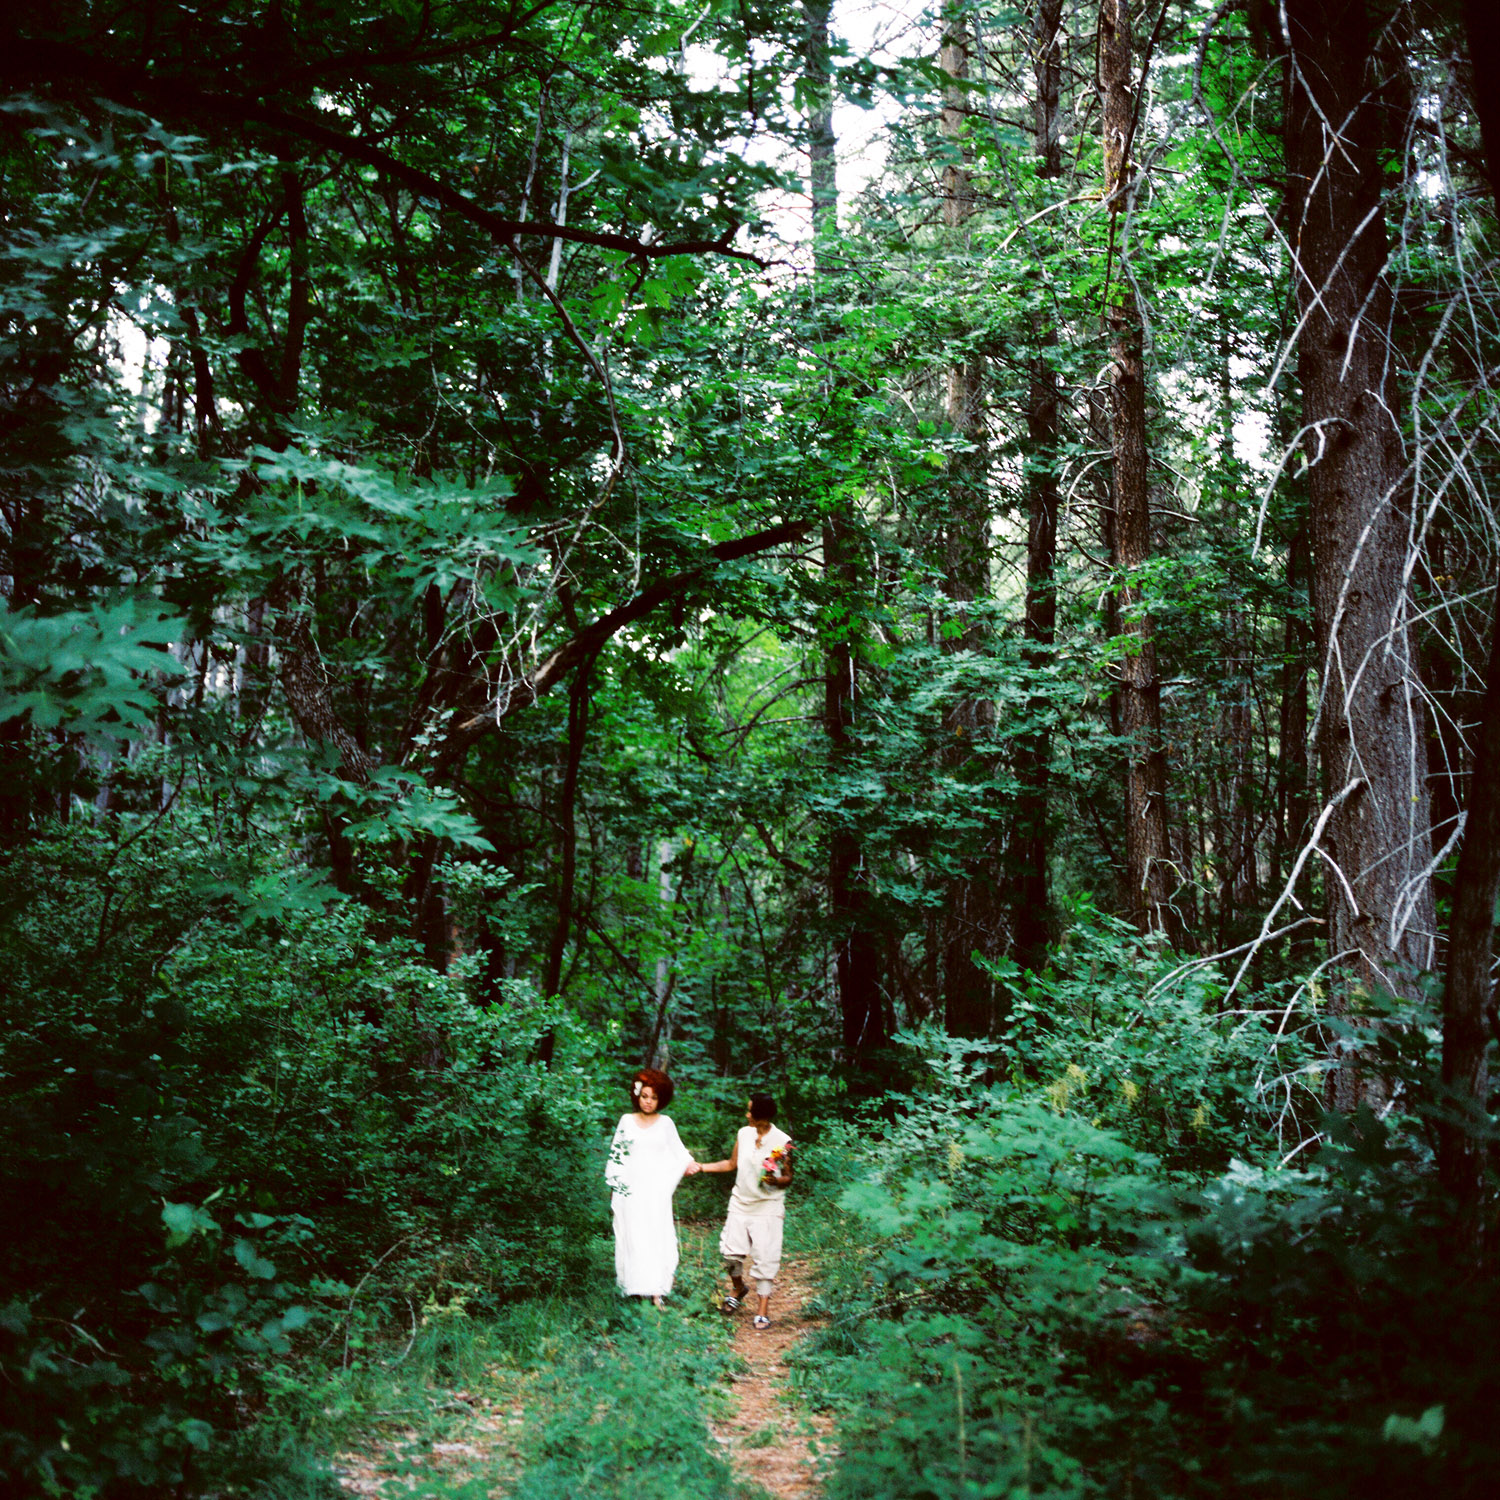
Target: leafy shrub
(346, 1073)
(1121, 1030)
(627, 1413)
(232, 1117)
(996, 1223)
(1047, 1309)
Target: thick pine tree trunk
(972, 915)
(1029, 904)
(1370, 730)
(1470, 1016)
(857, 950)
(1150, 872)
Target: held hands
(693, 1169)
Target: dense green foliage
(491, 598)
(229, 1110)
(1052, 1309)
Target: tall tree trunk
(1148, 856)
(1238, 883)
(1469, 1010)
(1104, 499)
(971, 914)
(1371, 741)
(821, 142)
(567, 802)
(1029, 905)
(966, 549)
(1292, 782)
(856, 952)
(1470, 1016)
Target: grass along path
(586, 1398)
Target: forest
(936, 561)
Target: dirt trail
(770, 1441)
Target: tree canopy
(515, 566)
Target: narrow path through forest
(773, 1442)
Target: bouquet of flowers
(775, 1164)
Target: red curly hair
(652, 1078)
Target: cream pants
(755, 1238)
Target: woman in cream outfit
(646, 1162)
(757, 1205)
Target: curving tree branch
(471, 723)
(34, 63)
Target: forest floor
(495, 1433)
(772, 1441)
(476, 1452)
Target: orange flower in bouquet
(775, 1164)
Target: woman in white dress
(646, 1162)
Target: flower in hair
(635, 1089)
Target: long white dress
(646, 1162)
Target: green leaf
(198, 1433)
(1421, 1432)
(92, 672)
(252, 1261)
(183, 1221)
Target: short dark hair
(655, 1079)
(762, 1107)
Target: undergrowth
(1035, 1286)
(560, 1395)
